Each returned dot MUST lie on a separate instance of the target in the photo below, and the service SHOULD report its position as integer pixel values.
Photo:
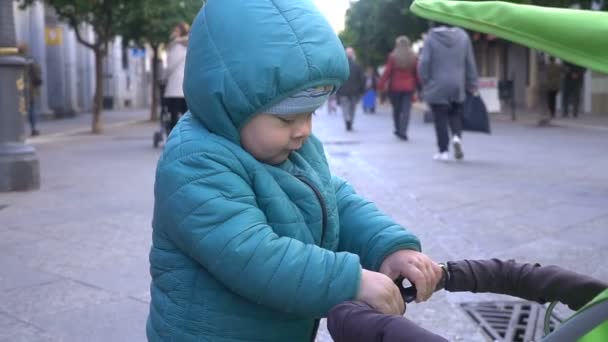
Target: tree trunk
(98, 99)
(155, 92)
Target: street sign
(53, 36)
(488, 90)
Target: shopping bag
(475, 117)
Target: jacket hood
(245, 56)
(447, 36)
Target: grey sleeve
(470, 68)
(424, 63)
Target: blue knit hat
(305, 101)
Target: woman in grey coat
(447, 71)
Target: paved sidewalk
(74, 254)
(52, 128)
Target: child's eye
(286, 120)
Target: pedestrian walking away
(174, 74)
(399, 81)
(573, 86)
(553, 81)
(369, 98)
(351, 91)
(447, 71)
(33, 81)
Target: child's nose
(302, 129)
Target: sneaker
(400, 136)
(458, 154)
(349, 126)
(442, 156)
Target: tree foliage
(104, 16)
(141, 21)
(151, 22)
(373, 25)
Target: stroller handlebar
(528, 281)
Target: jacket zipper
(321, 202)
(323, 228)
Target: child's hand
(418, 268)
(381, 293)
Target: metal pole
(19, 168)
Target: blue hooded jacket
(242, 250)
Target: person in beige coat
(174, 74)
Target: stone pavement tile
(125, 275)
(555, 218)
(590, 234)
(441, 199)
(120, 321)
(323, 334)
(498, 208)
(51, 299)
(12, 330)
(127, 231)
(553, 250)
(143, 297)
(108, 267)
(15, 275)
(56, 256)
(15, 236)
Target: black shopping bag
(475, 117)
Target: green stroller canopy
(577, 36)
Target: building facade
(68, 67)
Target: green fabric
(577, 36)
(239, 252)
(600, 333)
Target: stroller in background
(358, 322)
(164, 120)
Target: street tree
(372, 26)
(104, 16)
(150, 22)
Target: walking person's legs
(354, 100)
(404, 114)
(551, 97)
(396, 99)
(576, 100)
(440, 114)
(456, 111)
(32, 115)
(565, 102)
(373, 101)
(175, 107)
(347, 104)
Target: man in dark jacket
(573, 85)
(447, 71)
(33, 81)
(352, 90)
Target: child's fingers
(399, 305)
(417, 277)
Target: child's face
(271, 138)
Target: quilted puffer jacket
(245, 251)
